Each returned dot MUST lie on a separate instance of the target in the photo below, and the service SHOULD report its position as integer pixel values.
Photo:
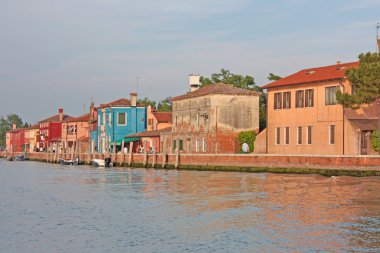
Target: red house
(17, 139)
(50, 130)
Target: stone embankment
(324, 165)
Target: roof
(312, 75)
(155, 133)
(84, 138)
(55, 118)
(122, 102)
(83, 118)
(218, 88)
(163, 116)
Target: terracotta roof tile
(312, 75)
(122, 102)
(163, 116)
(83, 118)
(218, 88)
(55, 118)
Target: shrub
(375, 140)
(249, 137)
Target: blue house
(118, 119)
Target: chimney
(338, 62)
(194, 82)
(133, 99)
(92, 109)
(14, 126)
(60, 114)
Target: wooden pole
(145, 155)
(122, 150)
(176, 159)
(114, 151)
(154, 157)
(130, 154)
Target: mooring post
(154, 157)
(122, 151)
(145, 155)
(130, 154)
(176, 159)
(114, 152)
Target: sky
(64, 54)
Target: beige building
(31, 138)
(305, 118)
(208, 119)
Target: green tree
(225, 76)
(376, 141)
(165, 105)
(6, 124)
(365, 82)
(248, 137)
(146, 102)
(273, 77)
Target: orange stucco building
(305, 118)
(75, 130)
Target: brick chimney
(133, 99)
(60, 114)
(92, 109)
(194, 82)
(14, 126)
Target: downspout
(343, 125)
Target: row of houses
(303, 117)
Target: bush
(375, 140)
(249, 137)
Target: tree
(146, 102)
(225, 76)
(365, 82)
(6, 124)
(273, 77)
(165, 105)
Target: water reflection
(81, 209)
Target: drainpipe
(341, 84)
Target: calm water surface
(53, 208)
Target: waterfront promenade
(325, 165)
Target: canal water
(53, 208)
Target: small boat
(19, 158)
(102, 163)
(66, 161)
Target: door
(364, 142)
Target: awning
(365, 124)
(118, 142)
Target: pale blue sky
(57, 53)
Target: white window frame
(285, 135)
(204, 144)
(196, 145)
(329, 141)
(298, 135)
(307, 135)
(118, 115)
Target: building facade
(305, 118)
(118, 119)
(31, 138)
(76, 130)
(158, 120)
(208, 119)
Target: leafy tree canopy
(273, 77)
(165, 105)
(6, 124)
(146, 102)
(365, 81)
(225, 76)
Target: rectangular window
(277, 101)
(299, 98)
(197, 119)
(197, 145)
(287, 135)
(299, 135)
(286, 100)
(150, 122)
(204, 144)
(309, 98)
(330, 95)
(176, 120)
(332, 134)
(278, 136)
(309, 135)
(174, 145)
(180, 144)
(121, 119)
